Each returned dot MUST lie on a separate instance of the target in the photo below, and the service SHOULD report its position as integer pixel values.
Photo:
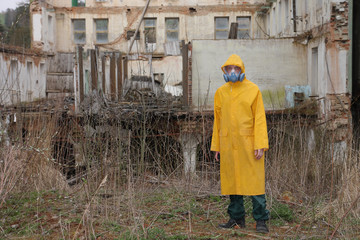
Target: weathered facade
(317, 33)
(16, 66)
(60, 26)
(294, 50)
(323, 27)
(109, 24)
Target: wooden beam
(93, 70)
(233, 30)
(81, 73)
(113, 76)
(119, 76)
(103, 69)
(185, 73)
(125, 69)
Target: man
(240, 136)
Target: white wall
(271, 64)
(22, 78)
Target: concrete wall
(271, 64)
(22, 78)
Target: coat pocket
(224, 140)
(244, 139)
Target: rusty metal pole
(81, 73)
(119, 77)
(138, 27)
(113, 77)
(132, 41)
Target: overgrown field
(158, 211)
(65, 178)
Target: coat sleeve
(215, 142)
(260, 128)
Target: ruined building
(296, 51)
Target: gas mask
(233, 77)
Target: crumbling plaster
(141, 3)
(125, 16)
(308, 16)
(22, 78)
(191, 27)
(318, 26)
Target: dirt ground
(158, 212)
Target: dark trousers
(236, 207)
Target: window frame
(172, 30)
(221, 30)
(78, 31)
(78, 3)
(244, 29)
(101, 31)
(148, 28)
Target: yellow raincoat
(239, 129)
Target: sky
(5, 4)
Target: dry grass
(132, 181)
(11, 171)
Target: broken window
(287, 19)
(150, 30)
(221, 27)
(29, 68)
(50, 28)
(243, 27)
(314, 71)
(101, 29)
(14, 70)
(273, 23)
(172, 29)
(131, 33)
(279, 18)
(78, 3)
(79, 31)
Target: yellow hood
(234, 60)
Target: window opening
(78, 3)
(150, 30)
(79, 31)
(172, 29)
(243, 27)
(314, 71)
(101, 29)
(221, 27)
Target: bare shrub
(137, 150)
(11, 171)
